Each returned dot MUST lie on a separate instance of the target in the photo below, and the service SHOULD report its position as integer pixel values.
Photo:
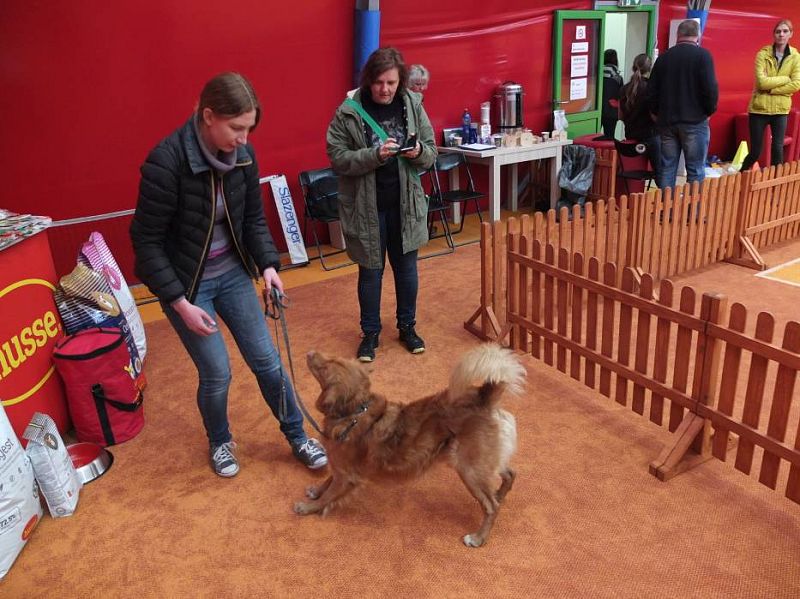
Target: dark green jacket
(356, 163)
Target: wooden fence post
(694, 432)
(485, 311)
(745, 253)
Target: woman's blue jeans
(232, 297)
(406, 281)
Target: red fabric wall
(470, 51)
(735, 31)
(90, 87)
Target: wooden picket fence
(768, 211)
(663, 234)
(604, 179)
(698, 372)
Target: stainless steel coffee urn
(508, 106)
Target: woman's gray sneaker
(311, 453)
(224, 460)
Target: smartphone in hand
(409, 145)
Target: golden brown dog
(372, 438)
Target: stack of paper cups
(486, 129)
(485, 106)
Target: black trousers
(609, 124)
(758, 123)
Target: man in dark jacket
(683, 94)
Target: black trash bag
(575, 176)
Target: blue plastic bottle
(466, 125)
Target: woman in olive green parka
(777, 77)
(382, 207)
(355, 163)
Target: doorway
(626, 32)
(579, 41)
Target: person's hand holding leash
(271, 279)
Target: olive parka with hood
(775, 84)
(355, 163)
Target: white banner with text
(290, 223)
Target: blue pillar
(366, 34)
(698, 14)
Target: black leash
(274, 305)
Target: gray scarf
(223, 161)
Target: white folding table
(494, 158)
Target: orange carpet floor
(584, 519)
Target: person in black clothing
(199, 238)
(682, 94)
(635, 111)
(612, 83)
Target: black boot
(412, 341)
(366, 349)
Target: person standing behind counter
(777, 78)
(382, 206)
(199, 236)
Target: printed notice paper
(580, 66)
(580, 47)
(577, 89)
(580, 32)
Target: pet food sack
(52, 466)
(105, 401)
(85, 300)
(20, 508)
(101, 260)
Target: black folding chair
(446, 163)
(627, 151)
(436, 209)
(321, 198)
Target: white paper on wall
(577, 89)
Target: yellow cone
(741, 154)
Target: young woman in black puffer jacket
(199, 237)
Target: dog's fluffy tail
(488, 364)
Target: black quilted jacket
(174, 219)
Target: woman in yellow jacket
(777, 78)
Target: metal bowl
(90, 460)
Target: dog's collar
(361, 409)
